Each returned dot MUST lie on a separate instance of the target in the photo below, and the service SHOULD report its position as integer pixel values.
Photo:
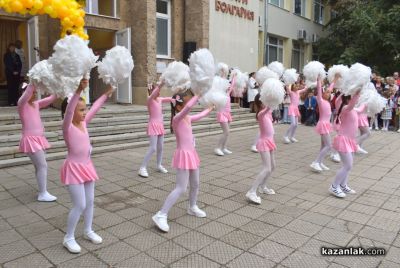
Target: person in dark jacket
(13, 66)
(310, 105)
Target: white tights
(257, 138)
(325, 148)
(293, 126)
(342, 176)
(183, 177)
(364, 134)
(268, 165)
(374, 120)
(156, 145)
(224, 137)
(82, 196)
(39, 162)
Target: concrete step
(113, 147)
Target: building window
(318, 11)
(334, 14)
(297, 56)
(163, 28)
(315, 55)
(279, 3)
(274, 49)
(108, 8)
(300, 7)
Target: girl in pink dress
(323, 127)
(345, 144)
(224, 117)
(266, 146)
(185, 159)
(155, 129)
(33, 142)
(77, 171)
(293, 112)
(363, 126)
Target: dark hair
(11, 45)
(64, 105)
(257, 103)
(251, 74)
(173, 105)
(345, 101)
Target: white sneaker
(266, 190)
(196, 211)
(218, 152)
(370, 128)
(46, 197)
(251, 196)
(71, 245)
(286, 140)
(93, 237)
(361, 150)
(293, 139)
(323, 166)
(143, 173)
(398, 130)
(376, 128)
(226, 151)
(316, 167)
(336, 191)
(335, 158)
(162, 169)
(160, 220)
(254, 149)
(347, 190)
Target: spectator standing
(13, 66)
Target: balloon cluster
(70, 12)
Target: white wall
(234, 40)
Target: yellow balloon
(63, 11)
(79, 22)
(27, 3)
(38, 4)
(16, 6)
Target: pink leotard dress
(33, 139)
(78, 167)
(293, 109)
(185, 155)
(362, 116)
(324, 125)
(155, 127)
(345, 141)
(266, 141)
(225, 116)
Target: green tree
(363, 31)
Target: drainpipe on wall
(265, 30)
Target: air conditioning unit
(302, 35)
(260, 24)
(315, 38)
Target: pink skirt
(323, 127)
(344, 144)
(78, 173)
(363, 120)
(224, 117)
(155, 129)
(32, 144)
(266, 145)
(185, 159)
(293, 110)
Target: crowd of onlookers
(388, 87)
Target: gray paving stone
(47, 239)
(248, 260)
(303, 227)
(215, 229)
(35, 260)
(334, 237)
(241, 239)
(193, 240)
(124, 230)
(271, 250)
(86, 260)
(8, 237)
(58, 254)
(34, 229)
(168, 252)
(145, 240)
(220, 252)
(141, 260)
(299, 259)
(259, 228)
(194, 260)
(116, 253)
(393, 255)
(234, 220)
(288, 238)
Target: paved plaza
(286, 230)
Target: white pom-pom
(116, 66)
(241, 80)
(72, 57)
(290, 76)
(265, 73)
(374, 101)
(312, 70)
(277, 67)
(272, 93)
(176, 77)
(202, 71)
(357, 78)
(42, 77)
(338, 69)
(222, 70)
(217, 94)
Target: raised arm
(43, 103)
(95, 108)
(154, 93)
(69, 112)
(352, 102)
(319, 90)
(26, 96)
(263, 112)
(165, 99)
(289, 89)
(361, 109)
(301, 91)
(199, 116)
(185, 111)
